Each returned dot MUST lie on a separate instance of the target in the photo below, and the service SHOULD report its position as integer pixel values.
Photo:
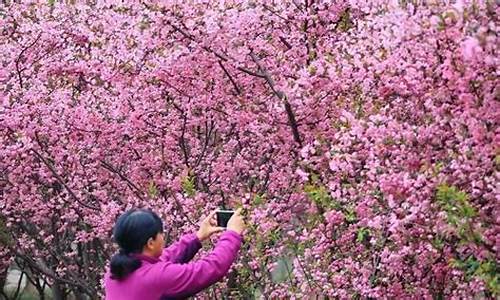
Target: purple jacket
(171, 276)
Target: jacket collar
(143, 257)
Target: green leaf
(485, 270)
(438, 243)
(437, 168)
(456, 263)
(350, 215)
(345, 23)
(259, 199)
(152, 190)
(455, 203)
(274, 236)
(320, 196)
(468, 211)
(472, 265)
(188, 186)
(363, 234)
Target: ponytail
(122, 265)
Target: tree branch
(182, 141)
(19, 71)
(262, 73)
(178, 205)
(49, 273)
(289, 111)
(219, 55)
(208, 134)
(284, 41)
(61, 181)
(130, 184)
(236, 87)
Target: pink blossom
(471, 48)
(332, 125)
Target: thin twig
(289, 111)
(61, 181)
(179, 206)
(132, 186)
(236, 87)
(219, 55)
(20, 56)
(49, 273)
(208, 134)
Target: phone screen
(223, 217)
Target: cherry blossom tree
(361, 137)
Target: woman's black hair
(132, 231)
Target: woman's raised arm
(183, 280)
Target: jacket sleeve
(183, 250)
(183, 280)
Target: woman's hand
(208, 226)
(236, 223)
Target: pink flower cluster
(333, 123)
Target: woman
(144, 270)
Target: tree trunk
(57, 293)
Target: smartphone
(223, 216)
